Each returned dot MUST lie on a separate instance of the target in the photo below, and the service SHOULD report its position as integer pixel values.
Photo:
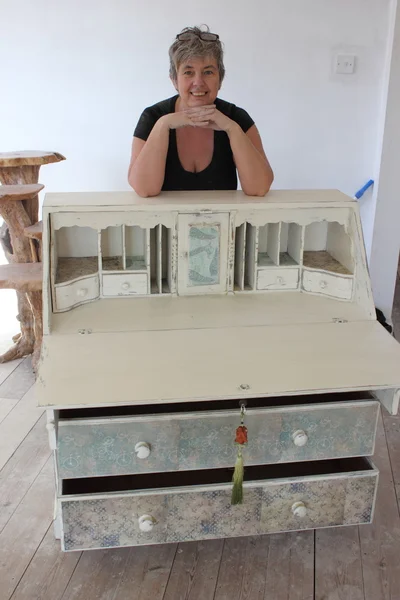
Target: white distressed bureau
(161, 317)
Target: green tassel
(237, 489)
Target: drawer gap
(209, 405)
(118, 483)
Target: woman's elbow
(270, 180)
(145, 193)
(258, 192)
(142, 190)
(262, 189)
(267, 184)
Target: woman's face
(197, 82)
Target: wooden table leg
(25, 342)
(36, 304)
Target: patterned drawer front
(186, 441)
(277, 279)
(320, 282)
(200, 512)
(125, 285)
(107, 446)
(71, 294)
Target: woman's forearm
(146, 174)
(254, 171)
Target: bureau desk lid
(141, 367)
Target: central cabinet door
(203, 253)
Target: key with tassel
(238, 474)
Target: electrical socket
(345, 64)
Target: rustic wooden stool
(20, 236)
(23, 275)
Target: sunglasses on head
(203, 35)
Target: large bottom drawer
(196, 505)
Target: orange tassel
(241, 435)
(238, 474)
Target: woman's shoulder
(234, 112)
(150, 116)
(163, 107)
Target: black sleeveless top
(220, 174)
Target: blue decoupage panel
(204, 255)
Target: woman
(194, 140)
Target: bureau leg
(56, 521)
(57, 528)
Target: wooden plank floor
(353, 563)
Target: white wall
(386, 234)
(77, 74)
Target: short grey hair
(181, 51)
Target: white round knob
(146, 523)
(300, 438)
(323, 284)
(142, 450)
(82, 292)
(125, 285)
(299, 509)
(280, 280)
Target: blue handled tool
(362, 190)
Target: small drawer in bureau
(277, 279)
(328, 284)
(170, 507)
(124, 284)
(71, 294)
(205, 439)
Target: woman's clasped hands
(206, 116)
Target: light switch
(345, 64)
